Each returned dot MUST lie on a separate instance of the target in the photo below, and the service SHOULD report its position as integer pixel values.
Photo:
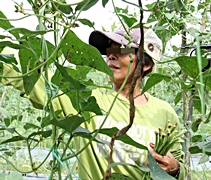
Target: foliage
(191, 80)
(37, 55)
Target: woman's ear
(146, 68)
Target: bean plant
(183, 78)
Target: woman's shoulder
(102, 92)
(162, 107)
(154, 101)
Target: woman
(150, 112)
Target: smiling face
(119, 64)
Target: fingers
(152, 145)
(168, 163)
(160, 159)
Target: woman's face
(119, 64)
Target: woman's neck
(126, 89)
(139, 99)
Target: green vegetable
(165, 140)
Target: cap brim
(100, 40)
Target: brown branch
(136, 75)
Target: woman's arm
(38, 95)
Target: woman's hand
(168, 163)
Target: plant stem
(201, 91)
(30, 156)
(66, 146)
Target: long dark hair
(147, 61)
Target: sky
(101, 16)
(98, 14)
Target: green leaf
(11, 130)
(197, 103)
(81, 130)
(30, 2)
(9, 153)
(8, 58)
(91, 105)
(29, 82)
(30, 58)
(156, 172)
(86, 22)
(57, 78)
(44, 134)
(27, 32)
(65, 8)
(195, 124)
(79, 53)
(169, 15)
(130, 21)
(163, 33)
(151, 5)
(4, 149)
(85, 133)
(175, 48)
(198, 148)
(73, 82)
(125, 138)
(206, 79)
(178, 98)
(30, 125)
(201, 6)
(123, 10)
(86, 115)
(10, 44)
(181, 6)
(9, 120)
(196, 138)
(170, 4)
(5, 24)
(154, 79)
(17, 117)
(80, 72)
(69, 123)
(13, 139)
(85, 5)
(208, 118)
(186, 86)
(104, 2)
(190, 65)
(161, 28)
(46, 120)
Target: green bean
(164, 140)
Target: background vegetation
(180, 78)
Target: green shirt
(148, 118)
(92, 162)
